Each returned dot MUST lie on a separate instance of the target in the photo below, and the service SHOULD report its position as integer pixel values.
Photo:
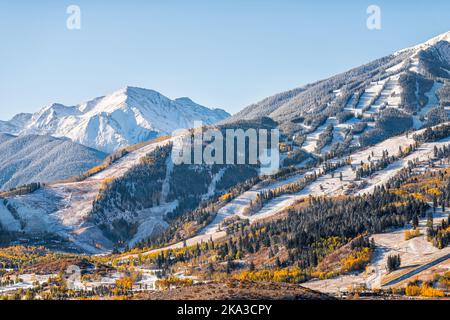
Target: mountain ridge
(127, 116)
(294, 103)
(34, 158)
(324, 126)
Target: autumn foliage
(409, 234)
(415, 290)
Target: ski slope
(64, 208)
(324, 185)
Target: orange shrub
(226, 197)
(173, 281)
(431, 292)
(125, 283)
(287, 275)
(409, 234)
(412, 290)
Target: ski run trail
(326, 185)
(63, 208)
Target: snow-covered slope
(64, 208)
(444, 37)
(386, 82)
(127, 116)
(33, 158)
(396, 91)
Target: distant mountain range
(33, 158)
(127, 116)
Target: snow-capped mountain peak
(443, 37)
(413, 81)
(126, 116)
(20, 119)
(435, 40)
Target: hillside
(406, 90)
(142, 198)
(394, 199)
(235, 290)
(34, 158)
(125, 117)
(130, 200)
(63, 209)
(364, 181)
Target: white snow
(166, 183)
(152, 220)
(433, 102)
(431, 42)
(372, 91)
(396, 68)
(63, 208)
(310, 143)
(413, 253)
(125, 117)
(324, 185)
(212, 186)
(28, 282)
(7, 220)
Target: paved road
(417, 270)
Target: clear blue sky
(224, 53)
